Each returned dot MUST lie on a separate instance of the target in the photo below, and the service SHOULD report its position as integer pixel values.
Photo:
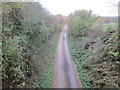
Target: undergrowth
(97, 58)
(29, 33)
(79, 56)
(47, 75)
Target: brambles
(96, 53)
(26, 30)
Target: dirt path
(65, 71)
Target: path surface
(65, 71)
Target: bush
(26, 29)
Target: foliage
(27, 27)
(13, 61)
(96, 54)
(97, 59)
(80, 21)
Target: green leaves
(26, 29)
(81, 21)
(96, 56)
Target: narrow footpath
(65, 71)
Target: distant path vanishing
(65, 71)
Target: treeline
(26, 27)
(94, 42)
(81, 21)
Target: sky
(65, 7)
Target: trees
(80, 21)
(96, 54)
(25, 29)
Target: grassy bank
(43, 64)
(96, 58)
(29, 37)
(47, 75)
(79, 59)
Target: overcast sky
(65, 7)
